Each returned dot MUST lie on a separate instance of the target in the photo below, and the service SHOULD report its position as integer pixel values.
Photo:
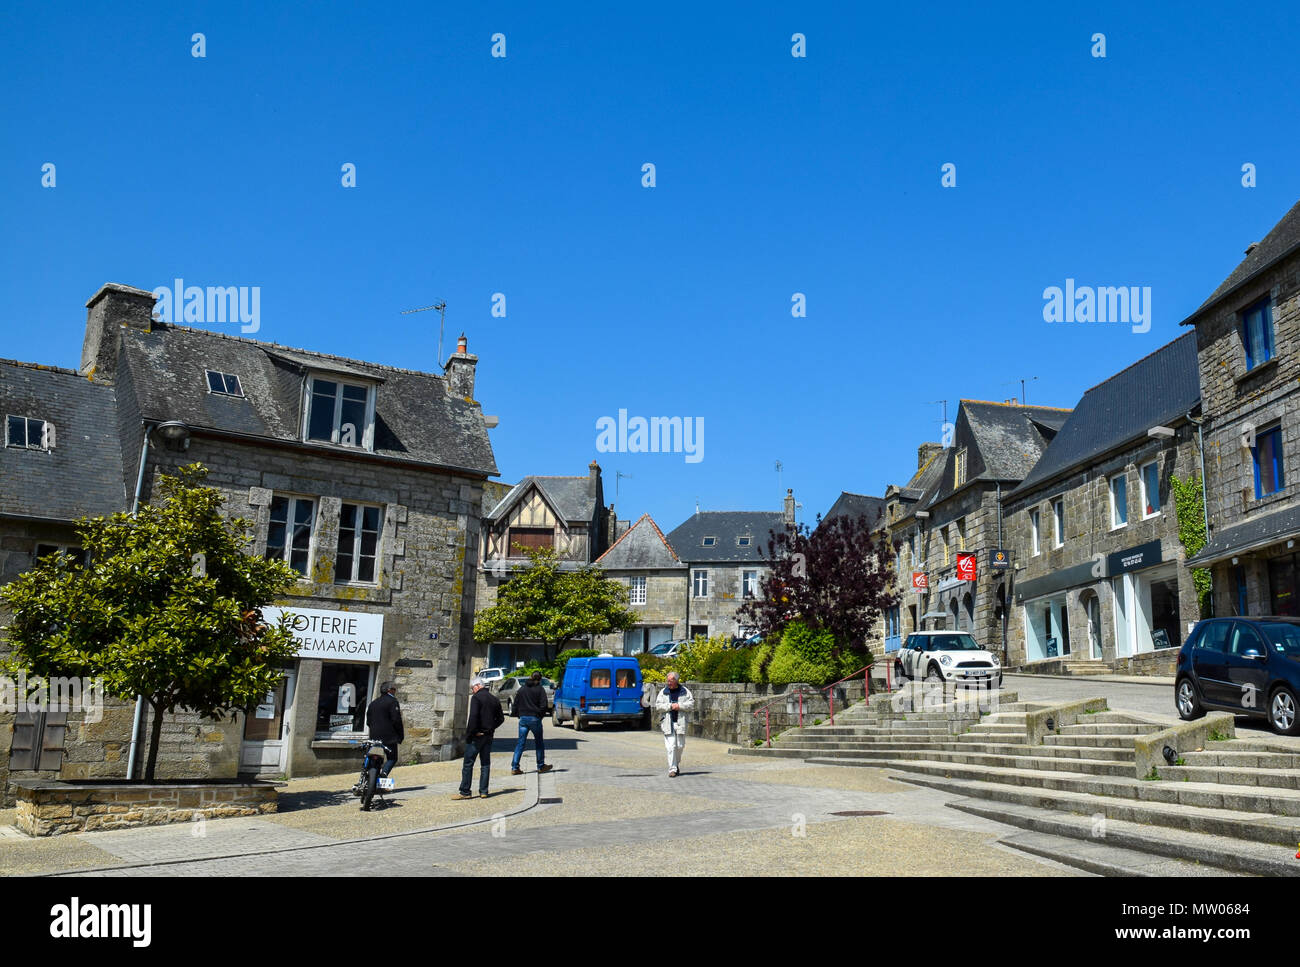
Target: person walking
(529, 706)
(485, 717)
(385, 717)
(675, 701)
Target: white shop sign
(340, 635)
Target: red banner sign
(965, 567)
(920, 582)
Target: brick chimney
(459, 371)
(925, 451)
(788, 514)
(108, 310)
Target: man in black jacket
(529, 706)
(485, 716)
(385, 718)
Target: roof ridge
(295, 349)
(1022, 406)
(1160, 349)
(645, 516)
(43, 367)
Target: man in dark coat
(385, 718)
(485, 716)
(529, 706)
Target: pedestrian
(385, 718)
(485, 717)
(529, 706)
(675, 701)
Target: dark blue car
(1247, 666)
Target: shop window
(1118, 501)
(1267, 458)
(289, 537)
(1282, 587)
(1150, 490)
(358, 549)
(1257, 333)
(1166, 627)
(344, 696)
(341, 413)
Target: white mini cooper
(947, 656)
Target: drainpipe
(139, 701)
(1006, 606)
(1205, 505)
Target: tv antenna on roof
(1022, 381)
(441, 306)
(778, 466)
(619, 475)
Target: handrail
(865, 671)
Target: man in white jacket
(675, 702)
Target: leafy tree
(555, 606)
(167, 607)
(834, 578)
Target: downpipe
(139, 700)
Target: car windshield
(1281, 636)
(951, 643)
(663, 649)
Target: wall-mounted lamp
(174, 434)
(1234, 561)
(1161, 431)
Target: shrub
(557, 669)
(731, 665)
(804, 655)
(853, 660)
(759, 660)
(690, 660)
(653, 675)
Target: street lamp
(174, 433)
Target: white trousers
(674, 742)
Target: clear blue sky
(775, 175)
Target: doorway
(265, 747)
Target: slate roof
(643, 547)
(856, 505)
(687, 539)
(415, 420)
(1157, 390)
(82, 475)
(1009, 439)
(1282, 240)
(568, 495)
(926, 479)
(1259, 532)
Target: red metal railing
(866, 696)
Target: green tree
(544, 602)
(168, 607)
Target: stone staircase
(1074, 786)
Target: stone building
(1248, 347)
(959, 517)
(657, 583)
(905, 530)
(722, 550)
(1093, 529)
(565, 514)
(366, 479)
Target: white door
(267, 730)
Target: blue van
(602, 689)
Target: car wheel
(1282, 715)
(1188, 702)
(555, 717)
(934, 675)
(578, 722)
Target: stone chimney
(108, 310)
(925, 451)
(459, 371)
(593, 479)
(788, 514)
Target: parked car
(947, 656)
(507, 688)
(668, 649)
(750, 642)
(602, 689)
(491, 675)
(1247, 666)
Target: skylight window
(227, 384)
(710, 541)
(31, 434)
(744, 541)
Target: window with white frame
(636, 588)
(1150, 489)
(1035, 532)
(288, 538)
(700, 583)
(341, 413)
(744, 540)
(1058, 521)
(1118, 500)
(29, 434)
(959, 469)
(749, 584)
(358, 550)
(709, 541)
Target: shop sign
(920, 582)
(1144, 555)
(965, 567)
(338, 635)
(999, 558)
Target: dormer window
(226, 384)
(341, 413)
(710, 541)
(28, 433)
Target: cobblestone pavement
(620, 815)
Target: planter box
(51, 807)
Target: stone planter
(50, 807)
